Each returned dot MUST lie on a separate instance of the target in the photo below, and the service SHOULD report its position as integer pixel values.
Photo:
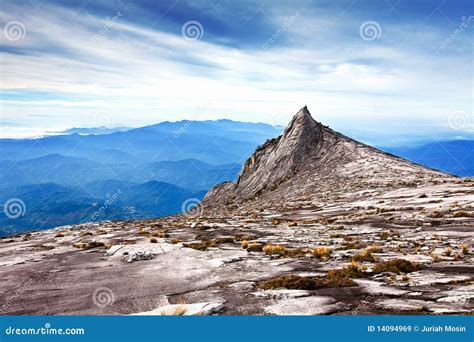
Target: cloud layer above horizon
(389, 67)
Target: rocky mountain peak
(307, 154)
(302, 128)
(278, 158)
(281, 157)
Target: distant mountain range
(455, 157)
(149, 171)
(213, 142)
(94, 130)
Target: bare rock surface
(194, 309)
(315, 305)
(316, 224)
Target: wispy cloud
(136, 65)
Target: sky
(382, 71)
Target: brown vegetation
(294, 282)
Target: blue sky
(377, 70)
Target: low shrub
(353, 271)
(366, 254)
(294, 282)
(388, 234)
(88, 245)
(461, 214)
(322, 252)
(201, 246)
(254, 247)
(274, 249)
(396, 266)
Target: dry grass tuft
(162, 233)
(294, 282)
(388, 234)
(226, 239)
(201, 246)
(274, 249)
(143, 231)
(243, 238)
(322, 252)
(88, 245)
(396, 266)
(175, 241)
(461, 213)
(355, 270)
(366, 254)
(254, 247)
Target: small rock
(195, 309)
(461, 299)
(114, 249)
(137, 256)
(281, 294)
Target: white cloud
(145, 76)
